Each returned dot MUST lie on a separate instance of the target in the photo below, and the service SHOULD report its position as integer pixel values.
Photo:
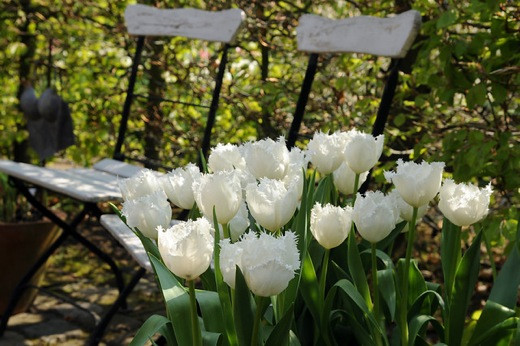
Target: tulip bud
(267, 158)
(463, 204)
(226, 158)
(344, 179)
(178, 185)
(417, 184)
(362, 150)
(187, 248)
(326, 151)
(147, 213)
(240, 223)
(271, 203)
(330, 225)
(220, 190)
(268, 263)
(375, 215)
(141, 184)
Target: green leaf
(502, 299)
(415, 309)
(310, 288)
(496, 334)
(450, 254)
(177, 301)
(465, 280)
(280, 334)
(211, 339)
(418, 325)
(446, 19)
(243, 309)
(386, 281)
(476, 96)
(153, 325)
(211, 310)
(355, 267)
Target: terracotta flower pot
(21, 244)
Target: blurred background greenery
(457, 101)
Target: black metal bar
(384, 110)
(302, 100)
(99, 330)
(386, 99)
(70, 228)
(206, 140)
(129, 96)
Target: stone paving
(78, 289)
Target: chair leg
(99, 330)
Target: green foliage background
(458, 99)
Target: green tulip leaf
(415, 309)
(416, 283)
(464, 284)
(499, 334)
(418, 326)
(386, 280)
(177, 301)
(280, 333)
(208, 280)
(243, 309)
(503, 296)
(211, 310)
(309, 288)
(154, 324)
(211, 339)
(355, 267)
(450, 254)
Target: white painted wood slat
(220, 26)
(117, 168)
(390, 36)
(92, 187)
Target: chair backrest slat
(390, 37)
(219, 26)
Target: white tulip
(463, 204)
(177, 185)
(405, 209)
(326, 151)
(141, 184)
(417, 184)
(267, 158)
(271, 203)
(221, 190)
(375, 215)
(147, 213)
(226, 157)
(187, 248)
(362, 150)
(344, 179)
(268, 263)
(240, 223)
(330, 225)
(295, 175)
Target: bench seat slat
(92, 187)
(117, 168)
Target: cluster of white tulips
(262, 182)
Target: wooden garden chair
(89, 187)
(389, 37)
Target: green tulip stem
(374, 281)
(356, 186)
(195, 327)
(404, 283)
(323, 275)
(225, 228)
(260, 305)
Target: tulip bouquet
(282, 257)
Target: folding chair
(99, 184)
(391, 37)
